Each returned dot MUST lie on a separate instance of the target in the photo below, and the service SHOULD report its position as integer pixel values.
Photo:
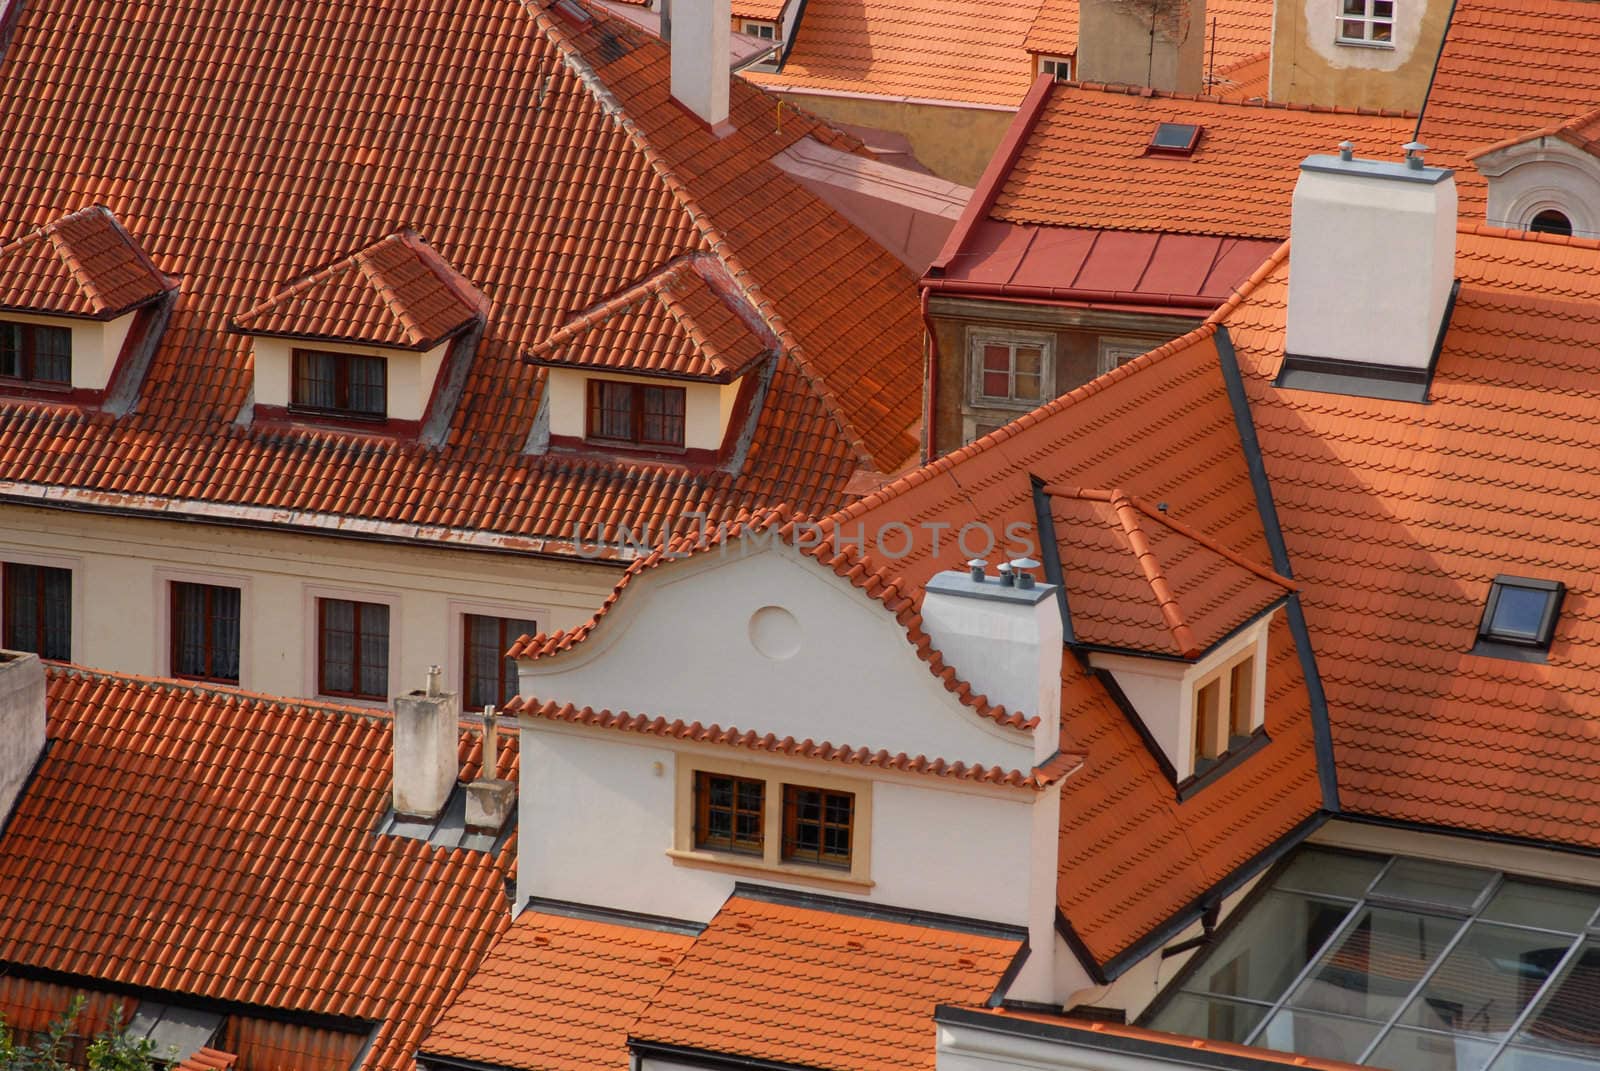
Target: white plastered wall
(96, 345)
(411, 375)
(706, 406)
(1546, 173)
(120, 567)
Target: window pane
(611, 410)
(1207, 718)
(1523, 1058)
(663, 416)
(56, 585)
(1028, 388)
(1330, 872)
(224, 634)
(1318, 1035)
(1374, 966)
(1242, 682)
(367, 394)
(189, 629)
(52, 354)
(11, 350)
(484, 655)
(1550, 907)
(1209, 1017)
(1569, 1019)
(1422, 882)
(22, 608)
(314, 380)
(338, 642)
(1486, 981)
(1382, 31)
(1412, 1050)
(1519, 612)
(1355, 31)
(1030, 360)
(374, 630)
(1355, 7)
(996, 385)
(996, 357)
(1262, 954)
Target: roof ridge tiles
(1144, 554)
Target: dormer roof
(1581, 132)
(84, 266)
(1140, 581)
(685, 321)
(397, 293)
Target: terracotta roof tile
(1245, 80)
(82, 265)
(205, 1059)
(220, 844)
(1055, 29)
(681, 322)
(820, 988)
(557, 994)
(395, 293)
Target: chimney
(1001, 633)
(490, 799)
(426, 761)
(1155, 43)
(22, 703)
(701, 67)
(1371, 268)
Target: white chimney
(426, 761)
(701, 65)
(1002, 635)
(22, 703)
(1371, 263)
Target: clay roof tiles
(170, 826)
(543, 161)
(82, 265)
(206, 1059)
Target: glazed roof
(221, 845)
(80, 265)
(541, 158)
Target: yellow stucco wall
(954, 143)
(1309, 66)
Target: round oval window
(775, 632)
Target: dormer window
(36, 353)
(1224, 710)
(341, 384)
(1519, 618)
(636, 414)
(1366, 22)
(766, 31)
(1057, 67)
(1174, 139)
(1551, 221)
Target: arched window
(1551, 222)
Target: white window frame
(1369, 22)
(1116, 351)
(979, 337)
(755, 28)
(1058, 67)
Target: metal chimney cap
(1023, 563)
(1347, 150)
(1414, 151)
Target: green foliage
(109, 1051)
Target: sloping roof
(680, 322)
(395, 293)
(1507, 68)
(1137, 580)
(1581, 132)
(1245, 80)
(558, 993)
(220, 845)
(205, 1059)
(543, 160)
(1055, 29)
(821, 988)
(1398, 517)
(82, 265)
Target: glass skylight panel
(1177, 139)
(1521, 611)
(1375, 963)
(1418, 881)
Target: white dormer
(1548, 180)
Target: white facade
(96, 345)
(410, 375)
(707, 407)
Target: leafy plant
(111, 1049)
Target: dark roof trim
(1179, 1052)
(1014, 968)
(637, 919)
(769, 894)
(794, 32)
(1357, 379)
(1485, 836)
(1050, 550)
(1322, 730)
(708, 1060)
(1195, 783)
(436, 1062)
(1069, 934)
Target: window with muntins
(1057, 67)
(1010, 370)
(1401, 963)
(636, 414)
(205, 632)
(730, 814)
(36, 353)
(817, 826)
(491, 677)
(340, 384)
(1224, 710)
(765, 30)
(38, 610)
(353, 649)
(1366, 22)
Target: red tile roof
(1246, 80)
(1138, 580)
(1581, 132)
(683, 322)
(1398, 517)
(1055, 29)
(205, 1059)
(557, 994)
(395, 293)
(1039, 777)
(821, 988)
(83, 265)
(545, 162)
(221, 845)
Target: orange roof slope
(1508, 68)
(221, 845)
(1137, 580)
(821, 988)
(205, 1059)
(497, 134)
(1055, 29)
(83, 265)
(557, 994)
(1161, 428)
(1085, 163)
(678, 322)
(395, 293)
(1398, 517)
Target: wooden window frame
(1224, 736)
(791, 852)
(355, 652)
(1368, 21)
(8, 572)
(175, 631)
(467, 679)
(978, 338)
(703, 841)
(636, 416)
(341, 384)
(28, 356)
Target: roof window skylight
(1174, 139)
(1520, 612)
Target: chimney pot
(979, 568)
(1414, 151)
(1347, 150)
(491, 741)
(1022, 568)
(434, 681)
(1007, 579)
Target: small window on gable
(1551, 222)
(36, 353)
(1366, 22)
(755, 818)
(1057, 67)
(730, 813)
(341, 384)
(817, 825)
(1174, 139)
(636, 414)
(767, 31)
(1521, 613)
(1011, 370)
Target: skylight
(1405, 964)
(1520, 612)
(1174, 139)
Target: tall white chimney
(426, 760)
(22, 705)
(701, 64)
(1372, 254)
(1002, 635)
